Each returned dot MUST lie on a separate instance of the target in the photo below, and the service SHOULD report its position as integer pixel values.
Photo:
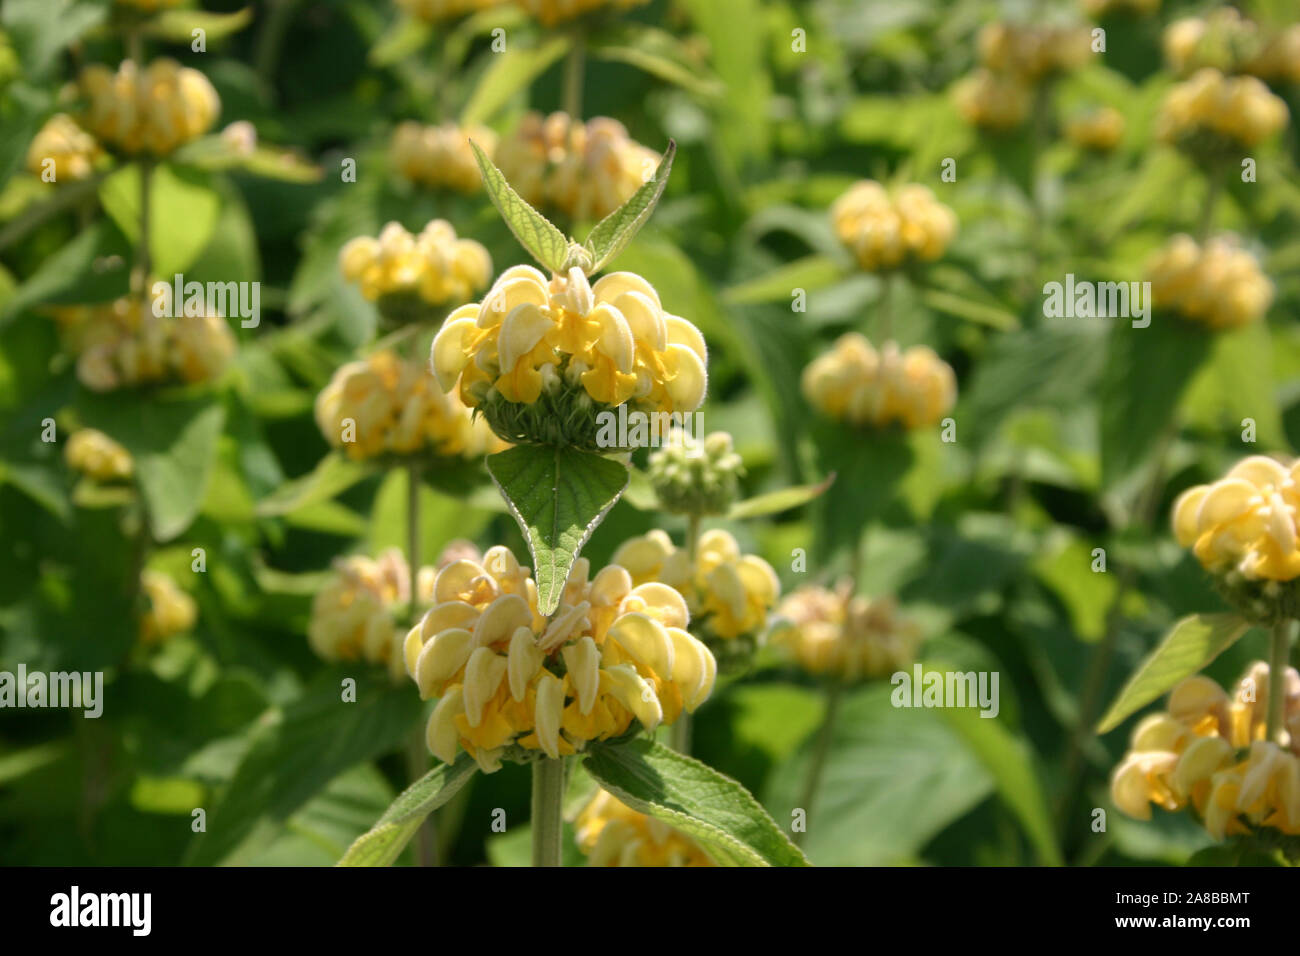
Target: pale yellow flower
(1218, 284)
(885, 231)
(436, 265)
(510, 681)
(1237, 109)
(440, 156)
(729, 593)
(156, 111)
(1032, 52)
(610, 833)
(94, 454)
(384, 404)
(73, 151)
(991, 100)
(1099, 129)
(856, 384)
(845, 636)
(170, 610)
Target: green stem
(886, 323)
(1213, 187)
(547, 806)
(821, 749)
(680, 736)
(413, 538)
(1279, 655)
(574, 67)
(417, 764)
(143, 259)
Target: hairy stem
(1279, 655)
(547, 806)
(821, 749)
(574, 68)
(413, 539)
(417, 765)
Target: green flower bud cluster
(696, 477)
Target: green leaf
(658, 53)
(90, 268)
(615, 231)
(179, 25)
(511, 71)
(1188, 647)
(558, 496)
(406, 36)
(1147, 371)
(964, 308)
(184, 210)
(174, 444)
(334, 474)
(774, 502)
(694, 798)
(386, 839)
(776, 285)
(534, 231)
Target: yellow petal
(694, 668)
(483, 676)
(646, 641)
(614, 284)
(1259, 471)
(645, 319)
(441, 735)
(689, 380)
(501, 618)
(665, 604)
(681, 332)
(1186, 509)
(1200, 761)
(524, 660)
(582, 659)
(443, 656)
(518, 286)
(614, 340)
(549, 712)
(448, 356)
(634, 693)
(1225, 501)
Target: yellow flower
(511, 681)
(992, 100)
(1237, 109)
(1246, 521)
(1278, 59)
(434, 11)
(729, 594)
(157, 111)
(856, 384)
(74, 152)
(435, 265)
(384, 404)
(1226, 40)
(1099, 129)
(355, 617)
(1031, 52)
(570, 344)
(1218, 284)
(610, 833)
(95, 454)
(585, 170)
(1208, 751)
(549, 13)
(123, 343)
(884, 231)
(839, 634)
(171, 611)
(440, 156)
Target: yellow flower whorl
(610, 833)
(1207, 751)
(395, 406)
(355, 617)
(509, 678)
(440, 156)
(849, 637)
(991, 100)
(436, 265)
(157, 110)
(856, 384)
(171, 611)
(96, 455)
(884, 232)
(1237, 109)
(585, 170)
(1099, 130)
(1031, 52)
(1217, 284)
(729, 594)
(74, 151)
(571, 344)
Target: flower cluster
(435, 11)
(123, 343)
(856, 384)
(170, 611)
(991, 100)
(1226, 40)
(1209, 751)
(550, 13)
(696, 477)
(97, 456)
(1031, 53)
(512, 684)
(541, 359)
(1099, 130)
(845, 636)
(585, 170)
(435, 267)
(1217, 284)
(610, 833)
(75, 152)
(1210, 111)
(884, 232)
(729, 594)
(386, 405)
(355, 616)
(440, 156)
(155, 110)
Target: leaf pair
(548, 245)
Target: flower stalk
(817, 765)
(547, 811)
(1279, 654)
